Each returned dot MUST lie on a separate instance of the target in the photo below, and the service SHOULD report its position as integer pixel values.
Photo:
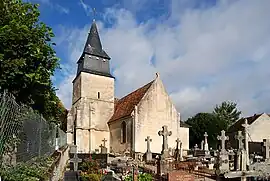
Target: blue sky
(206, 51)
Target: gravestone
(179, 150)
(266, 144)
(205, 142)
(180, 176)
(241, 161)
(246, 129)
(202, 144)
(165, 133)
(71, 176)
(75, 160)
(148, 151)
(222, 155)
(103, 150)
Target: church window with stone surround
(98, 95)
(123, 132)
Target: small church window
(123, 132)
(98, 95)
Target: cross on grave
(165, 133)
(104, 142)
(205, 137)
(148, 140)
(266, 144)
(240, 138)
(178, 143)
(223, 139)
(246, 127)
(75, 160)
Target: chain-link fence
(25, 134)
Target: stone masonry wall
(115, 135)
(155, 110)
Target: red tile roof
(125, 105)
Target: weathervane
(94, 14)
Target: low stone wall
(58, 168)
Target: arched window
(123, 132)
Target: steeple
(93, 44)
(94, 59)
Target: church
(125, 123)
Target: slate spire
(94, 59)
(93, 44)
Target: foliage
(205, 122)
(91, 177)
(37, 169)
(89, 166)
(27, 58)
(227, 111)
(141, 177)
(145, 177)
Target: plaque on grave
(71, 176)
(180, 176)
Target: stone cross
(148, 140)
(165, 133)
(104, 142)
(205, 141)
(240, 138)
(266, 144)
(223, 139)
(75, 160)
(178, 143)
(246, 127)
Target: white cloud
(57, 7)
(204, 57)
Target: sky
(206, 51)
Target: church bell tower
(93, 97)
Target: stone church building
(125, 123)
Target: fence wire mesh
(25, 134)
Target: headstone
(71, 176)
(148, 151)
(241, 158)
(240, 138)
(75, 160)
(196, 147)
(202, 145)
(103, 149)
(180, 175)
(205, 142)
(266, 144)
(165, 133)
(104, 142)
(223, 139)
(222, 157)
(246, 128)
(179, 150)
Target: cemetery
(200, 163)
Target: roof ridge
(125, 105)
(136, 90)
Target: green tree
(205, 122)
(227, 111)
(27, 58)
